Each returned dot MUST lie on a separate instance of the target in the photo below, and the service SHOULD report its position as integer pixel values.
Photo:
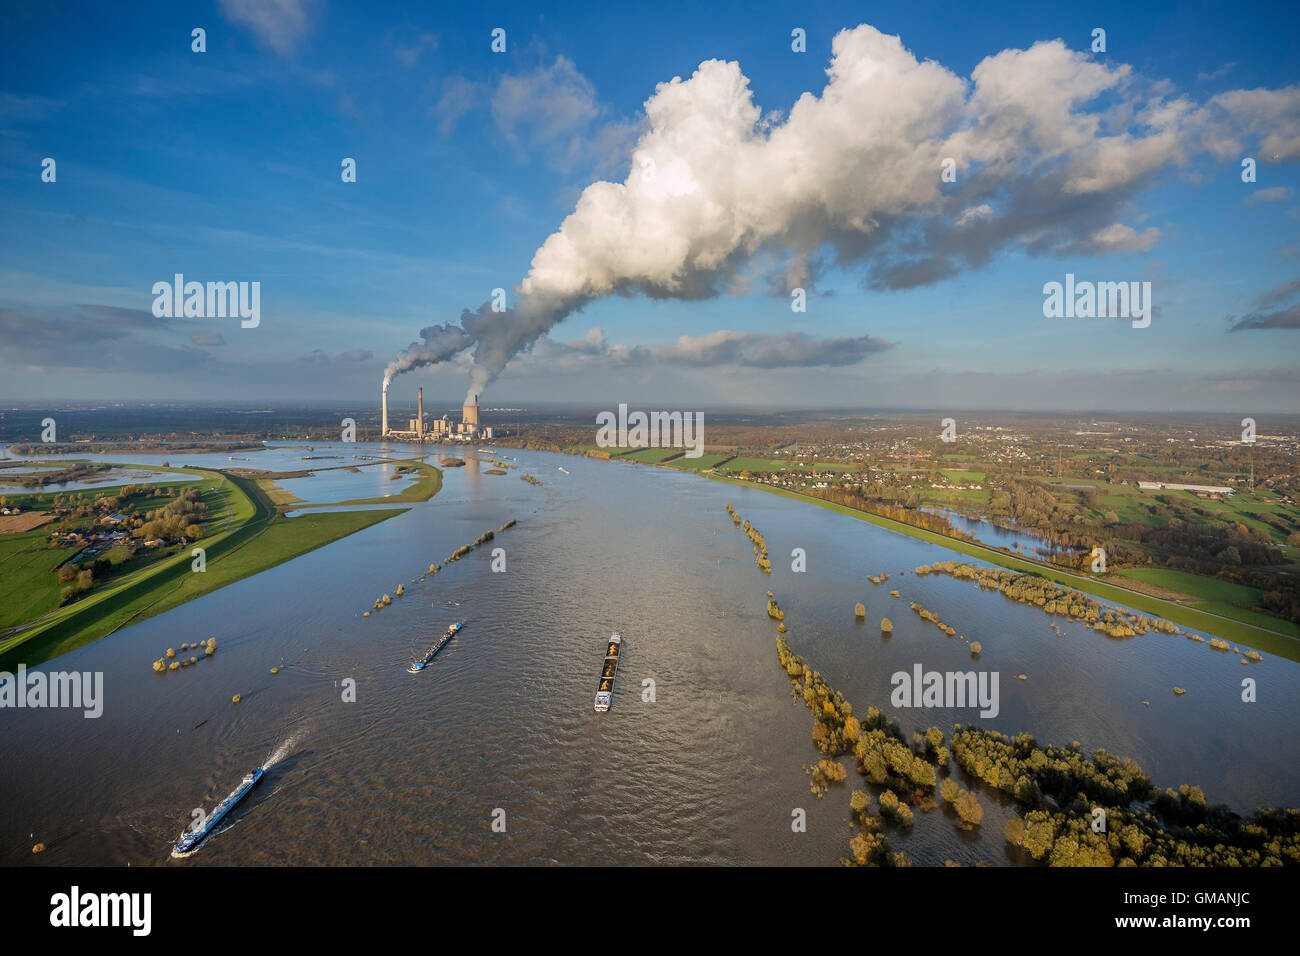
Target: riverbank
(261, 539)
(1271, 641)
(1256, 630)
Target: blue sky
(224, 165)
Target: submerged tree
(969, 809)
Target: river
(415, 770)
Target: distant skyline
(744, 180)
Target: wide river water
(501, 726)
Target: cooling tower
(419, 421)
(469, 413)
(383, 426)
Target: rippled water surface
(709, 772)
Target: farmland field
(697, 464)
(777, 464)
(1225, 598)
(27, 566)
(652, 455)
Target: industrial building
(440, 429)
(1199, 489)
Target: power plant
(440, 429)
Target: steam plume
(440, 343)
(716, 186)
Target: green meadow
(651, 456)
(742, 463)
(1226, 598)
(697, 464)
(27, 564)
(248, 536)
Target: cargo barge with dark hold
(419, 664)
(605, 690)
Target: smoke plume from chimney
(719, 192)
(440, 343)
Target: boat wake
(284, 749)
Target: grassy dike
(261, 539)
(1263, 639)
(428, 485)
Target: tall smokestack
(419, 422)
(383, 427)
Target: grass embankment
(1273, 639)
(428, 485)
(261, 540)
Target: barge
(605, 690)
(420, 663)
(189, 840)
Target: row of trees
(1104, 811)
(851, 498)
(1053, 598)
(755, 538)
